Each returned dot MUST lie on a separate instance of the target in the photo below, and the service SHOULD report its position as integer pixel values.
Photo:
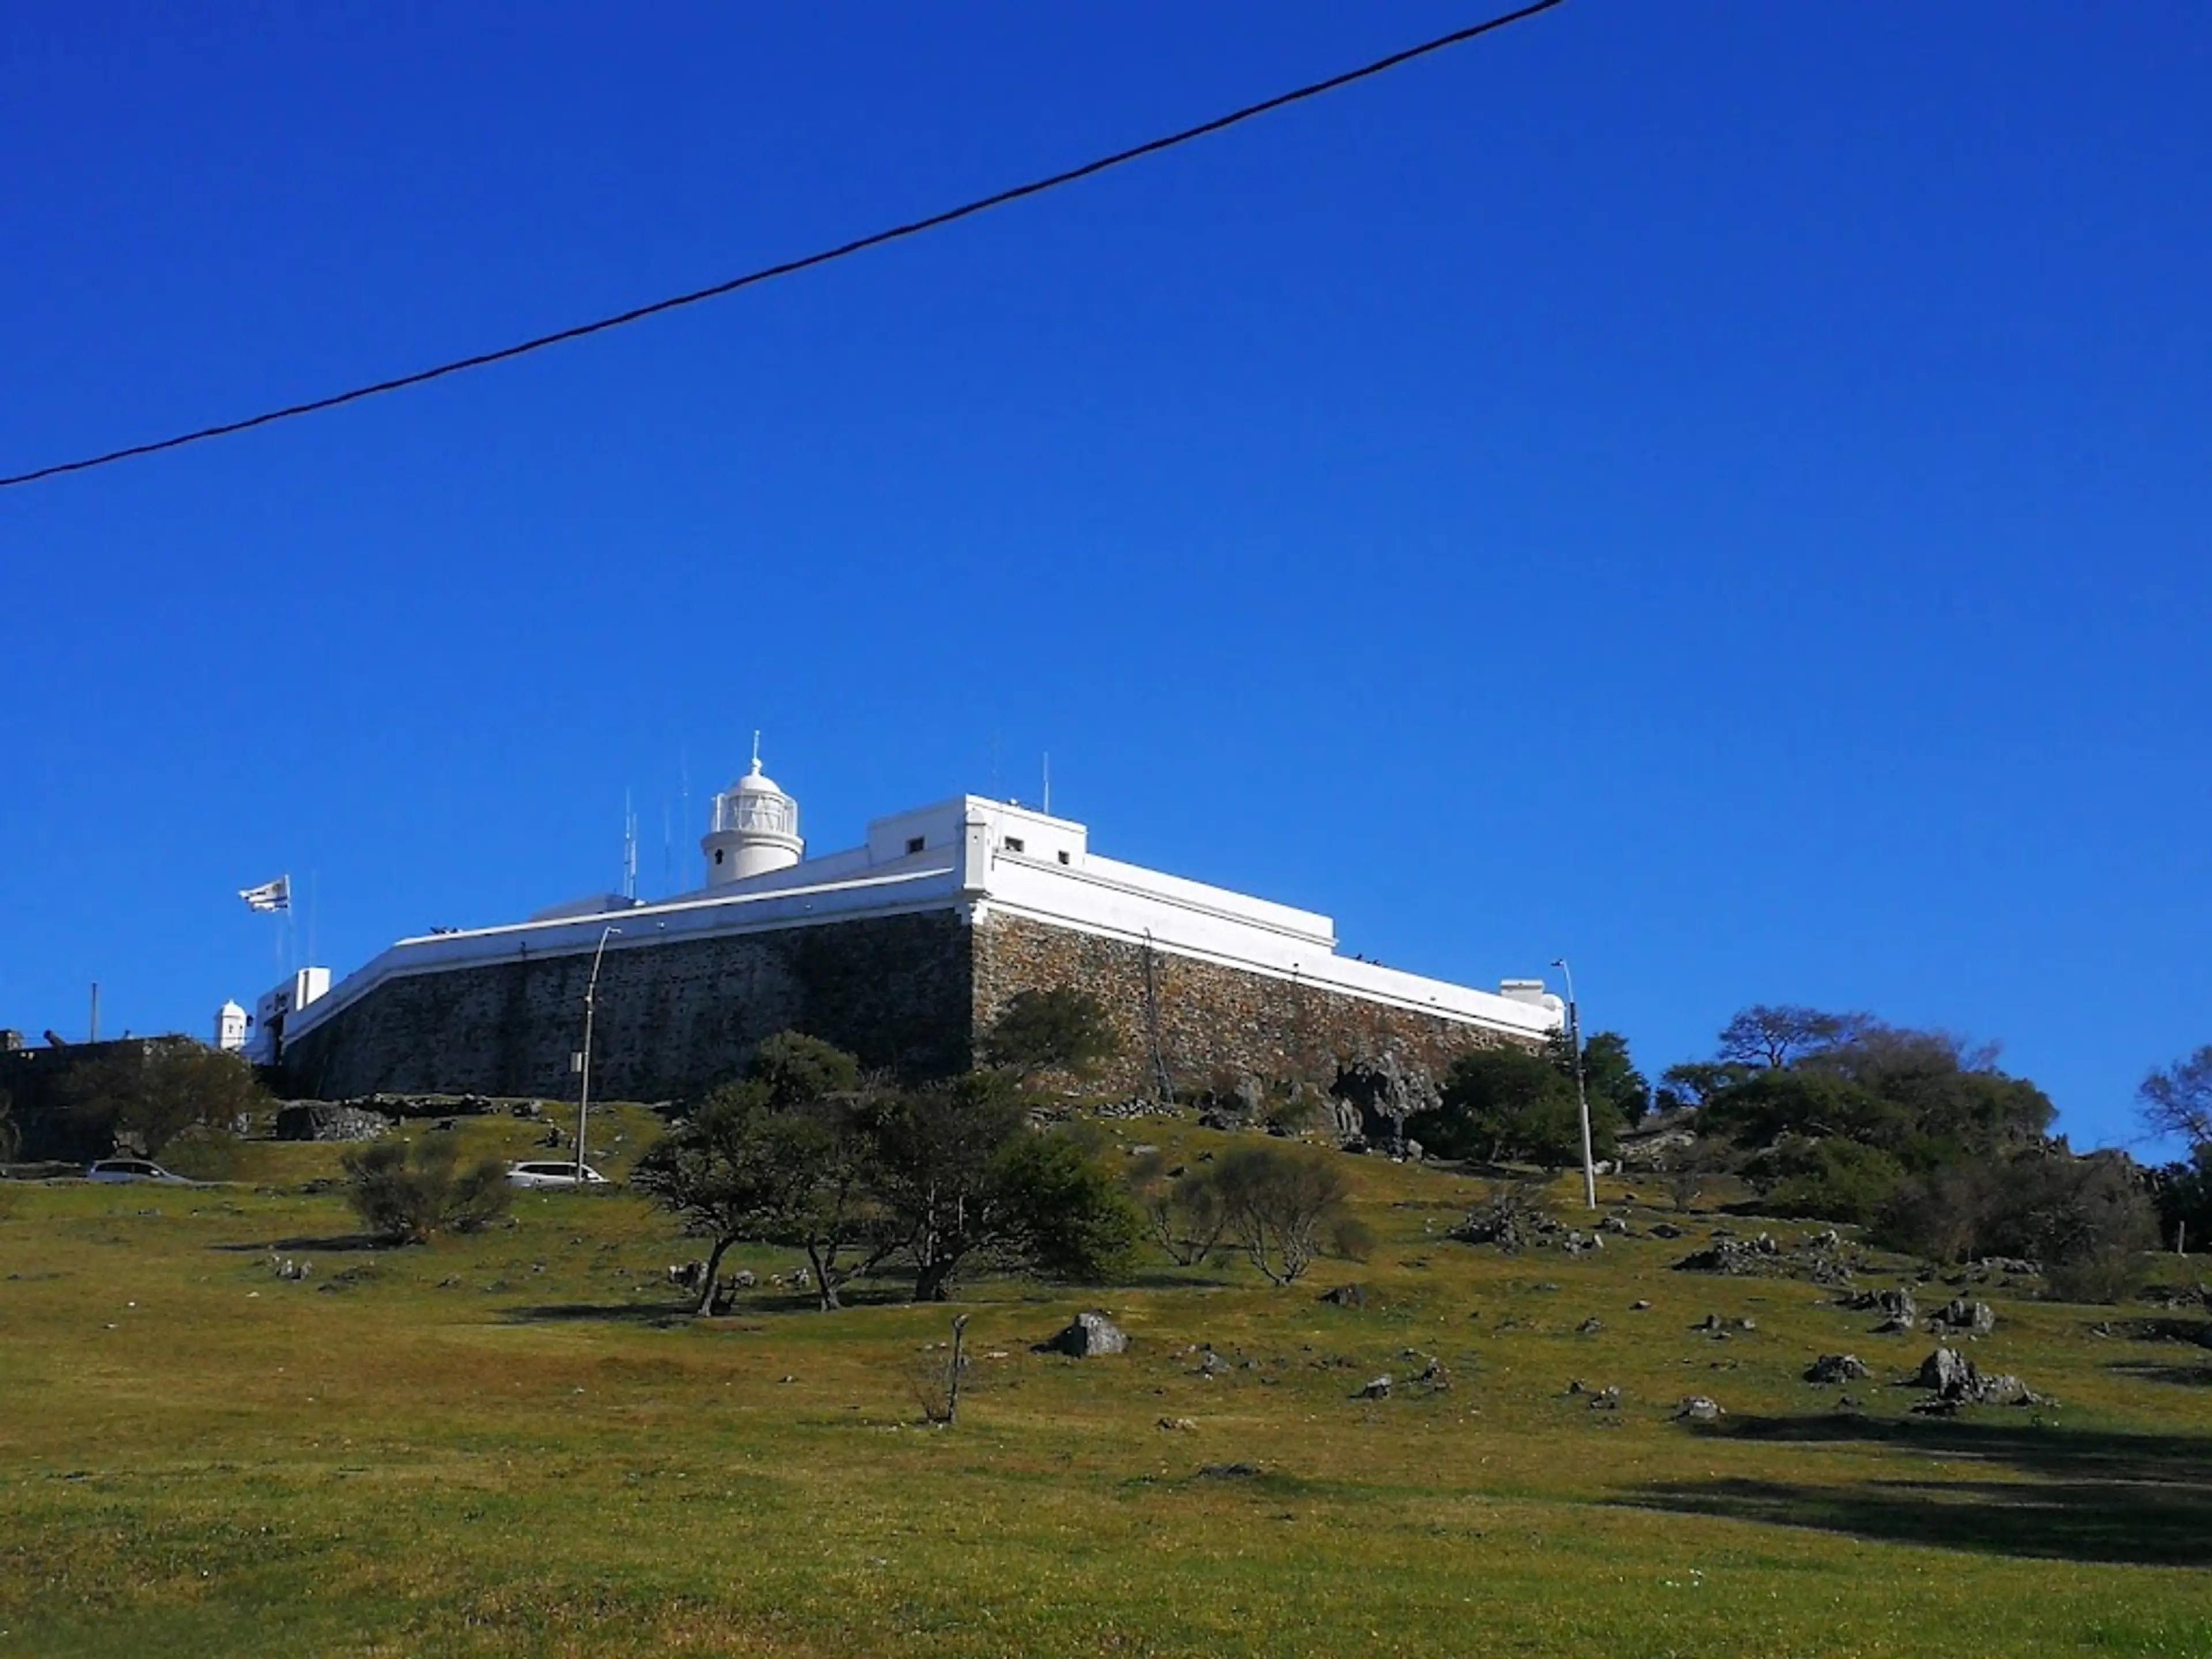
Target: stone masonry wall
(672, 1019)
(1211, 1020)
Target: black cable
(913, 227)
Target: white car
(133, 1169)
(552, 1175)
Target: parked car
(552, 1175)
(132, 1169)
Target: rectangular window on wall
(1014, 844)
(915, 843)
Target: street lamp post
(584, 1061)
(1581, 1088)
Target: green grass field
(516, 1443)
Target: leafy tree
(1063, 1029)
(149, 1094)
(1611, 1075)
(1285, 1207)
(2088, 1220)
(961, 1176)
(1691, 1084)
(2176, 1099)
(1924, 1097)
(2085, 1220)
(791, 1070)
(408, 1194)
(2183, 1195)
(782, 1155)
(1506, 1102)
(1831, 1179)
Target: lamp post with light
(583, 1059)
(1582, 1089)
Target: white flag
(269, 896)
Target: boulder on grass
(1088, 1335)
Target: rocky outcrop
(320, 1119)
(1384, 1089)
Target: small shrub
(1282, 1206)
(1184, 1213)
(1686, 1184)
(1826, 1178)
(1350, 1239)
(408, 1194)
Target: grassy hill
(516, 1443)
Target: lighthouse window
(915, 843)
(717, 855)
(1064, 857)
(1013, 843)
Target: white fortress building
(904, 949)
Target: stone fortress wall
(1206, 1024)
(911, 994)
(672, 1018)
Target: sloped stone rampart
(1211, 1020)
(674, 1019)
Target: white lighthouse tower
(756, 828)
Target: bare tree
(1283, 1207)
(1184, 1211)
(2176, 1099)
(1775, 1034)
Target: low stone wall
(672, 1019)
(1211, 1022)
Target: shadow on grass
(617, 1313)
(342, 1241)
(2081, 1495)
(2196, 1376)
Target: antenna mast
(629, 849)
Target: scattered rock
(1179, 1425)
(1607, 1399)
(1379, 1389)
(1613, 1224)
(1699, 1409)
(1954, 1380)
(1231, 1472)
(318, 1120)
(1947, 1371)
(1831, 1368)
(1346, 1296)
(1962, 1313)
(1639, 1306)
(1087, 1335)
(1665, 1230)
(1591, 1326)
(1434, 1376)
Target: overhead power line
(789, 267)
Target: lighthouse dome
(755, 828)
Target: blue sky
(1715, 490)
